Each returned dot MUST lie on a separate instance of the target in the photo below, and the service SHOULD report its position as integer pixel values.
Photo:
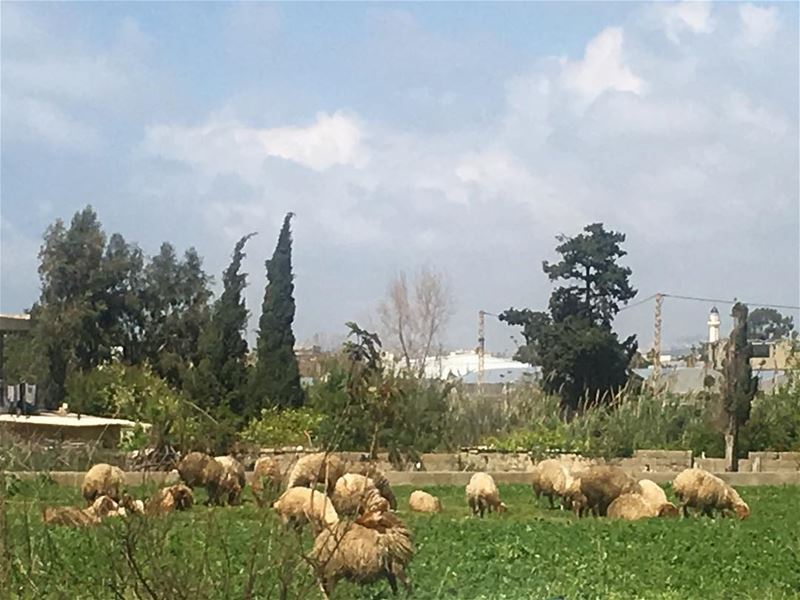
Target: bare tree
(414, 314)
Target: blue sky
(462, 136)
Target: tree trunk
(732, 446)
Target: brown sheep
(300, 505)
(601, 484)
(321, 467)
(545, 477)
(420, 501)
(483, 495)
(169, 499)
(103, 480)
(702, 490)
(633, 507)
(356, 494)
(655, 496)
(371, 470)
(102, 507)
(377, 545)
(267, 479)
(197, 469)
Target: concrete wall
(429, 478)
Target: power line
(715, 300)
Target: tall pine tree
(276, 380)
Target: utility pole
(657, 338)
(481, 346)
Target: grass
(531, 552)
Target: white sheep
(300, 505)
(483, 495)
(420, 501)
(655, 496)
(267, 477)
(702, 490)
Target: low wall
(429, 478)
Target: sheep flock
(349, 509)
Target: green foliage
(219, 382)
(769, 325)
(369, 405)
(289, 427)
(581, 357)
(276, 377)
(774, 422)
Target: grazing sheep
(483, 495)
(546, 474)
(198, 469)
(655, 496)
(233, 478)
(572, 496)
(103, 480)
(631, 507)
(169, 499)
(700, 489)
(377, 545)
(420, 501)
(602, 484)
(300, 505)
(371, 470)
(356, 494)
(321, 467)
(129, 505)
(267, 479)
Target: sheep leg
(392, 581)
(401, 575)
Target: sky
(463, 137)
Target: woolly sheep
(233, 478)
(169, 499)
(102, 507)
(321, 467)
(655, 496)
(103, 480)
(356, 494)
(267, 477)
(545, 478)
(601, 484)
(483, 495)
(420, 501)
(198, 469)
(377, 545)
(700, 489)
(630, 507)
(371, 470)
(300, 505)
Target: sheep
(233, 478)
(197, 469)
(631, 507)
(371, 470)
(102, 507)
(572, 496)
(267, 477)
(321, 467)
(130, 505)
(169, 499)
(420, 501)
(482, 495)
(103, 480)
(601, 484)
(377, 545)
(700, 489)
(655, 496)
(356, 494)
(300, 505)
(544, 480)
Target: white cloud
(228, 146)
(39, 120)
(743, 111)
(680, 17)
(602, 68)
(759, 25)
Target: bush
(291, 427)
(774, 420)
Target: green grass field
(531, 552)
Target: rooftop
(66, 420)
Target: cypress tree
(276, 380)
(222, 374)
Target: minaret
(713, 326)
